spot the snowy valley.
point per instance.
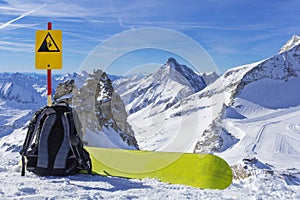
(249, 116)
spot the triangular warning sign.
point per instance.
(48, 45)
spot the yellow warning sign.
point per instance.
(48, 49)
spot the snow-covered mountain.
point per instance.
(20, 96)
(126, 85)
(249, 116)
(251, 111)
(209, 77)
(267, 101)
(162, 89)
(17, 88)
(28, 89)
(294, 41)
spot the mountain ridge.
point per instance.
(167, 85)
(292, 42)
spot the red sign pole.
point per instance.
(49, 93)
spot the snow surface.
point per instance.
(13, 186)
(106, 138)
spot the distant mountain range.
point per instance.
(17, 89)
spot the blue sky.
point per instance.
(233, 32)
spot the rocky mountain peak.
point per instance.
(292, 42)
(181, 72)
(101, 111)
(161, 89)
(172, 62)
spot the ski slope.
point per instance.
(272, 138)
(269, 128)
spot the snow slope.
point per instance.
(273, 138)
(268, 99)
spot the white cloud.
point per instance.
(6, 24)
(56, 9)
(17, 26)
(16, 46)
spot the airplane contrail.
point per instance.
(21, 16)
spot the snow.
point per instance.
(169, 84)
(269, 89)
(96, 187)
(259, 186)
(273, 139)
(256, 107)
(106, 138)
(13, 186)
(294, 41)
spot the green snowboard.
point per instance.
(197, 170)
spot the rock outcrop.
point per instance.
(99, 109)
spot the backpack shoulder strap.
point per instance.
(76, 144)
(33, 129)
(42, 137)
(62, 154)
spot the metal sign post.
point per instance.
(49, 78)
(48, 54)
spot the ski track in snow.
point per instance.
(272, 115)
(251, 149)
(273, 138)
(294, 127)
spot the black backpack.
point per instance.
(53, 145)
